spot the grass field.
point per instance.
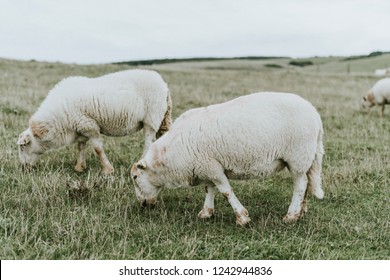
(52, 212)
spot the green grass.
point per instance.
(52, 212)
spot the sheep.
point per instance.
(382, 72)
(379, 94)
(81, 109)
(249, 137)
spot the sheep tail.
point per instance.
(167, 121)
(314, 173)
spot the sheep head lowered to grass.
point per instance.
(248, 137)
(80, 109)
(378, 95)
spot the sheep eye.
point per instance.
(135, 177)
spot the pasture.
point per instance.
(52, 212)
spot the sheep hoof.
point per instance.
(242, 218)
(243, 221)
(289, 219)
(108, 171)
(206, 213)
(80, 168)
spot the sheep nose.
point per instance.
(26, 166)
(148, 204)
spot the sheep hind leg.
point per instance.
(242, 215)
(304, 204)
(81, 164)
(298, 203)
(314, 184)
(208, 207)
(98, 147)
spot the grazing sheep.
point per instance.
(381, 72)
(248, 137)
(79, 109)
(379, 94)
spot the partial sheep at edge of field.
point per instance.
(378, 95)
(81, 109)
(248, 137)
(382, 72)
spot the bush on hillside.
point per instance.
(300, 63)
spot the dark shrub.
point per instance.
(301, 63)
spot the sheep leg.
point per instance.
(382, 110)
(90, 130)
(150, 137)
(208, 207)
(304, 203)
(298, 204)
(242, 215)
(81, 164)
(97, 145)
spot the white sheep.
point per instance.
(379, 95)
(248, 137)
(81, 109)
(381, 72)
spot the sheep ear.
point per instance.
(39, 129)
(364, 98)
(23, 139)
(141, 164)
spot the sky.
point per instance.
(100, 31)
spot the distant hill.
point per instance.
(194, 59)
(373, 54)
(361, 64)
(364, 64)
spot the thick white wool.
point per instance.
(79, 109)
(378, 95)
(248, 137)
(381, 91)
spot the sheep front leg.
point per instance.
(208, 207)
(81, 164)
(98, 147)
(242, 215)
(298, 203)
(150, 137)
(382, 110)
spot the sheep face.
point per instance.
(366, 104)
(29, 148)
(145, 191)
(368, 101)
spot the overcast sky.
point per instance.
(99, 31)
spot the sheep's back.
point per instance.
(119, 102)
(248, 134)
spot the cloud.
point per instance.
(103, 31)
